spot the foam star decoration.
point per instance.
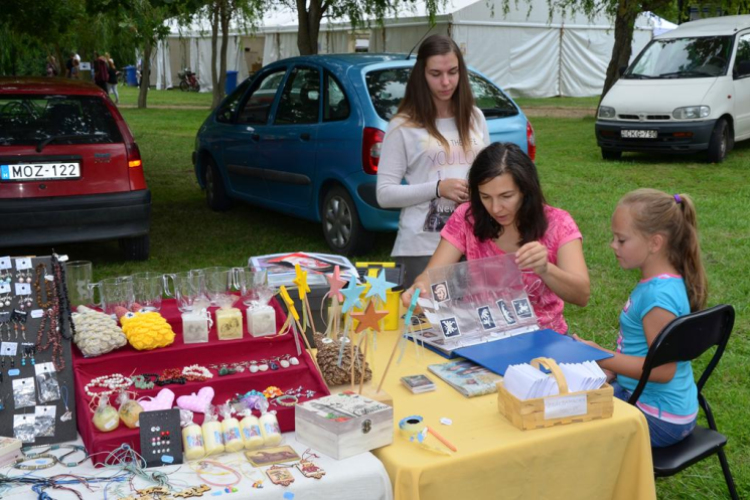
(369, 318)
(289, 302)
(301, 281)
(379, 286)
(351, 294)
(336, 284)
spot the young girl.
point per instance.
(431, 142)
(507, 214)
(657, 233)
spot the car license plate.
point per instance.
(39, 171)
(638, 134)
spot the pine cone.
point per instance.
(328, 356)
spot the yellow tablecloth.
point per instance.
(600, 459)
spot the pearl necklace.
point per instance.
(114, 382)
(197, 371)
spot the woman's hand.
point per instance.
(422, 283)
(454, 189)
(533, 255)
(587, 342)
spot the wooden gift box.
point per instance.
(566, 408)
(344, 425)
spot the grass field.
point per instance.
(185, 235)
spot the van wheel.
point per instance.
(611, 154)
(342, 228)
(135, 248)
(718, 145)
(216, 193)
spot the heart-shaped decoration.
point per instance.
(162, 401)
(197, 403)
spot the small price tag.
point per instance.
(4, 287)
(37, 313)
(23, 289)
(49, 277)
(8, 348)
(23, 263)
(5, 262)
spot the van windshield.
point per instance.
(701, 57)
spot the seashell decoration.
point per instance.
(96, 332)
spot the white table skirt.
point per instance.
(362, 477)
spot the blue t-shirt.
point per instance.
(677, 400)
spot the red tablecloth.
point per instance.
(130, 361)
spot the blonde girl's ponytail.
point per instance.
(674, 216)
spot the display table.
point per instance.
(600, 459)
(128, 361)
(361, 477)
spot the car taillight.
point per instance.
(372, 142)
(135, 166)
(531, 140)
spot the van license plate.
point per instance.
(638, 134)
(39, 171)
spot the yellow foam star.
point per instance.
(301, 281)
(289, 302)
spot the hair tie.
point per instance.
(677, 198)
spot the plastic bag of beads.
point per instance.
(44, 425)
(129, 409)
(46, 382)
(23, 427)
(23, 392)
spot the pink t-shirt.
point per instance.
(561, 228)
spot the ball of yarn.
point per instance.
(96, 333)
(147, 330)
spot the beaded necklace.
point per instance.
(51, 313)
(62, 293)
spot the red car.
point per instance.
(70, 170)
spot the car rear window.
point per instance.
(29, 120)
(387, 87)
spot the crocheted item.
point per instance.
(146, 330)
(96, 332)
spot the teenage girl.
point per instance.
(657, 233)
(430, 143)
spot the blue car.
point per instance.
(303, 137)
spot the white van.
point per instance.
(687, 91)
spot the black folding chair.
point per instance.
(684, 339)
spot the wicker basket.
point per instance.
(555, 410)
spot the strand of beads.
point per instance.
(196, 372)
(111, 383)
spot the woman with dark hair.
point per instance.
(507, 213)
(431, 142)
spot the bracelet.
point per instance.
(74, 449)
(20, 460)
(141, 382)
(197, 372)
(287, 400)
(437, 189)
(114, 382)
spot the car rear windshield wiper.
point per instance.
(44, 142)
(499, 112)
(684, 73)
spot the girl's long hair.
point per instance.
(418, 107)
(507, 158)
(674, 216)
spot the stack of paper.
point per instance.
(526, 382)
(584, 376)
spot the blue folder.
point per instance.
(497, 356)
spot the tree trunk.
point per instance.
(309, 26)
(214, 41)
(627, 11)
(145, 74)
(224, 16)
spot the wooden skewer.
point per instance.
(364, 363)
(387, 367)
(309, 351)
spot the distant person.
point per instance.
(112, 82)
(430, 143)
(101, 71)
(69, 65)
(52, 68)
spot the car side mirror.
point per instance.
(621, 70)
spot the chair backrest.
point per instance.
(686, 338)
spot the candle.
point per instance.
(269, 429)
(232, 437)
(229, 323)
(195, 326)
(213, 440)
(192, 442)
(250, 426)
(261, 320)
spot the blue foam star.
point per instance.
(379, 286)
(351, 295)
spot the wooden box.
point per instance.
(344, 425)
(566, 408)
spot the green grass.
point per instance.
(185, 235)
(174, 97)
(561, 102)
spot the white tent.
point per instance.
(526, 52)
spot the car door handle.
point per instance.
(255, 137)
(305, 136)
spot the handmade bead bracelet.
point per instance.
(143, 381)
(74, 448)
(114, 383)
(18, 463)
(196, 372)
(287, 400)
